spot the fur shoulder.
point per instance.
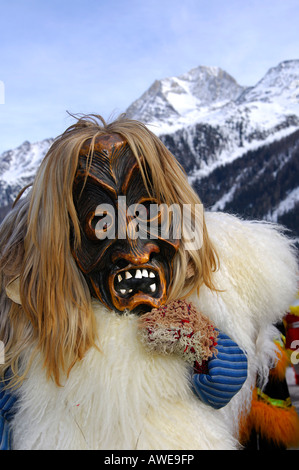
(258, 273)
(257, 280)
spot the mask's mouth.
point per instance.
(136, 286)
(131, 281)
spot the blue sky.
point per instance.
(98, 56)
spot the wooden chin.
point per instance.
(121, 304)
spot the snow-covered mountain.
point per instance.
(18, 167)
(217, 119)
(176, 102)
(239, 145)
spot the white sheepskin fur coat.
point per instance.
(123, 397)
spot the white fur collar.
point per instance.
(119, 398)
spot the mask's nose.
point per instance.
(134, 252)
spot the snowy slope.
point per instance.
(18, 167)
(176, 102)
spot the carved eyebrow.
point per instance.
(92, 179)
(106, 186)
(134, 169)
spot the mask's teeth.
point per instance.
(143, 275)
(138, 274)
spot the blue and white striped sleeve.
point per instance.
(7, 402)
(227, 372)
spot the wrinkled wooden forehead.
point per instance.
(111, 163)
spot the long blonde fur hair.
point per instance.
(55, 317)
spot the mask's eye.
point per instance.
(162, 221)
(100, 224)
(148, 210)
(147, 217)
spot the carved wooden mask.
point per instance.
(125, 270)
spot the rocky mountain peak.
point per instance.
(280, 82)
(174, 97)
